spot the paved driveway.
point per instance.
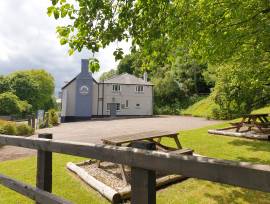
(94, 131)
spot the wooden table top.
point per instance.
(258, 115)
(138, 136)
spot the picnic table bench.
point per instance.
(257, 121)
(149, 136)
(152, 136)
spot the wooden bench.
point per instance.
(154, 136)
(182, 151)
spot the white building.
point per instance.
(123, 95)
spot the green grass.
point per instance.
(202, 108)
(65, 184)
(191, 191)
(265, 109)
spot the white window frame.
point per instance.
(126, 104)
(118, 106)
(139, 89)
(116, 88)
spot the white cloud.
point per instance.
(28, 40)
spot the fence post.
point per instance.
(29, 121)
(143, 182)
(46, 117)
(44, 167)
(33, 122)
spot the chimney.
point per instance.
(84, 66)
(145, 76)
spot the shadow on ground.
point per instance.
(260, 147)
(253, 145)
(229, 194)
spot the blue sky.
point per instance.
(28, 41)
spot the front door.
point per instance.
(113, 107)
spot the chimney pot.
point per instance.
(145, 76)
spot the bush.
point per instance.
(7, 128)
(50, 119)
(11, 104)
(11, 128)
(24, 130)
(53, 117)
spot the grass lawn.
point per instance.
(190, 191)
(265, 109)
(202, 108)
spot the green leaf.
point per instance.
(63, 41)
(50, 10)
(94, 65)
(56, 14)
(54, 2)
(63, 13)
(118, 54)
(71, 52)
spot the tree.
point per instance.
(188, 74)
(237, 90)
(108, 74)
(212, 31)
(231, 35)
(46, 86)
(24, 87)
(131, 64)
(10, 104)
(4, 84)
(34, 86)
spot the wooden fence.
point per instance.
(144, 164)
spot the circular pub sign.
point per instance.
(84, 90)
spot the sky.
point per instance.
(28, 40)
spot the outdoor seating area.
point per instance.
(254, 126)
(113, 180)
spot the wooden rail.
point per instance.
(243, 174)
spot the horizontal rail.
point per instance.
(31, 192)
(243, 174)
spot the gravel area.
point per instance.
(108, 173)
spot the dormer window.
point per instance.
(139, 88)
(116, 88)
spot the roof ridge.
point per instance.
(117, 75)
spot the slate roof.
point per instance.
(126, 78)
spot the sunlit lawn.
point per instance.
(68, 186)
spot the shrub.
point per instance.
(24, 130)
(8, 128)
(53, 117)
(11, 128)
(11, 104)
(50, 119)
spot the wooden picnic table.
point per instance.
(149, 136)
(152, 136)
(258, 121)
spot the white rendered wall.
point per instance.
(68, 99)
(95, 99)
(128, 92)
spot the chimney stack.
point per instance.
(145, 76)
(84, 66)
